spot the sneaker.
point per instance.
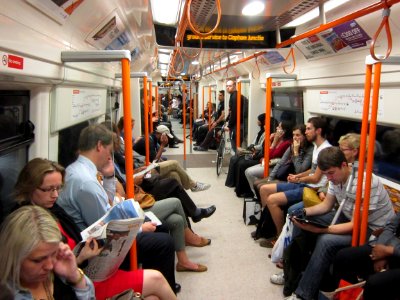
(200, 187)
(293, 297)
(278, 278)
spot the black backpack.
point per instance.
(265, 227)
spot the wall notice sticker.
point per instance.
(346, 102)
(11, 61)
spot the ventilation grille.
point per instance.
(201, 12)
(299, 10)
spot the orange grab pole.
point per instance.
(362, 12)
(202, 104)
(190, 113)
(126, 91)
(238, 112)
(209, 108)
(184, 120)
(158, 104)
(146, 121)
(267, 141)
(370, 154)
(151, 106)
(361, 158)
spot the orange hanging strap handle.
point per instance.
(291, 53)
(384, 23)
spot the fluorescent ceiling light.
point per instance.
(163, 67)
(195, 62)
(163, 58)
(312, 14)
(253, 8)
(165, 12)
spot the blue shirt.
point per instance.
(83, 197)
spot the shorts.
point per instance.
(292, 191)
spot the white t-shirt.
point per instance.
(314, 164)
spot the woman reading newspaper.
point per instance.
(39, 183)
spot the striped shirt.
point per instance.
(380, 206)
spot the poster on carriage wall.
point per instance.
(340, 39)
(58, 10)
(110, 34)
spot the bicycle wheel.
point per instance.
(220, 156)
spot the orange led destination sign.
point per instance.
(228, 37)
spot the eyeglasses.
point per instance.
(51, 189)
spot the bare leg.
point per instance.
(155, 286)
(265, 191)
(274, 204)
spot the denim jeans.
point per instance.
(323, 255)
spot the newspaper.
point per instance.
(150, 167)
(115, 232)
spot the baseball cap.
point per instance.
(164, 129)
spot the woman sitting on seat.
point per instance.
(34, 263)
(39, 183)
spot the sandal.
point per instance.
(268, 243)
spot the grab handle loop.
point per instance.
(384, 23)
(291, 53)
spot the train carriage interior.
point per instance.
(67, 64)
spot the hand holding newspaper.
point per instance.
(118, 229)
(150, 167)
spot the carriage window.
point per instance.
(288, 106)
(387, 145)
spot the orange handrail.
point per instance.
(202, 105)
(268, 103)
(255, 55)
(130, 193)
(146, 121)
(184, 96)
(384, 23)
(194, 30)
(362, 12)
(238, 112)
(362, 154)
(370, 154)
(190, 113)
(291, 53)
(151, 106)
(209, 107)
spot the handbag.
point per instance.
(310, 197)
(128, 294)
(284, 170)
(251, 211)
(145, 200)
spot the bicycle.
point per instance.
(224, 147)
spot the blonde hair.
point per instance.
(21, 233)
(352, 140)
